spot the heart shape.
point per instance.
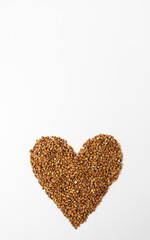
(76, 182)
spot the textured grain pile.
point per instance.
(76, 182)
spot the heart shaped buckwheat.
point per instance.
(76, 182)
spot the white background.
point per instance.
(74, 69)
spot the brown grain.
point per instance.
(76, 182)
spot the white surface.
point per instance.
(74, 69)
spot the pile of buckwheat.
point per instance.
(76, 182)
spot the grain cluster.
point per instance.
(76, 182)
